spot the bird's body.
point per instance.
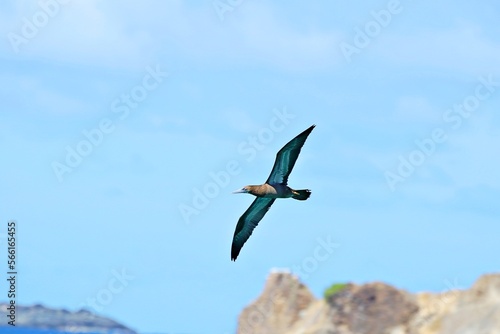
(271, 190)
(275, 187)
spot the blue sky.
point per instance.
(125, 126)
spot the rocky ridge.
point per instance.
(286, 306)
(82, 321)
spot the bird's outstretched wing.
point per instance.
(286, 157)
(247, 223)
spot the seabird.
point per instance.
(275, 187)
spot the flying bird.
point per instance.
(275, 187)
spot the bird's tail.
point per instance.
(301, 195)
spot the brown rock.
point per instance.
(287, 307)
(278, 308)
(477, 309)
(371, 308)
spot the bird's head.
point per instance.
(244, 190)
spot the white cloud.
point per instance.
(463, 48)
(271, 40)
(132, 34)
(473, 156)
(252, 34)
(28, 91)
(417, 108)
(79, 32)
(240, 120)
(58, 103)
(159, 120)
(129, 34)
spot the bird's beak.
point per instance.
(240, 191)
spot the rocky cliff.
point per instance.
(82, 321)
(286, 306)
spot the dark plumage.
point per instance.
(275, 187)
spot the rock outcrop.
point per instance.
(82, 321)
(285, 298)
(476, 310)
(286, 306)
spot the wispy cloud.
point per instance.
(82, 32)
(93, 33)
(416, 108)
(464, 48)
(473, 156)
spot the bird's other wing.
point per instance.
(247, 223)
(286, 157)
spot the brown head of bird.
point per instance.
(253, 190)
(243, 190)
